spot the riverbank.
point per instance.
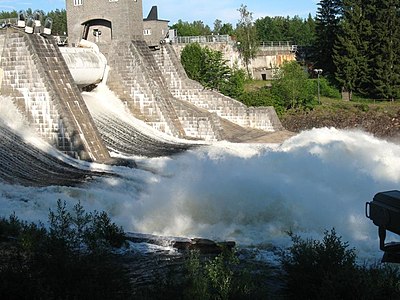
(380, 119)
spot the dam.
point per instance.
(46, 84)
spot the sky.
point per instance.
(205, 10)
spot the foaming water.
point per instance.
(250, 193)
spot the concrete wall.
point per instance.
(37, 78)
(125, 16)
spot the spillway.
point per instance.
(23, 164)
(26, 159)
(125, 135)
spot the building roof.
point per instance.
(153, 15)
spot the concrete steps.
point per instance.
(188, 90)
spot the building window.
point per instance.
(78, 2)
(147, 32)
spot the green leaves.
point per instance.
(208, 67)
(367, 49)
(292, 87)
(246, 34)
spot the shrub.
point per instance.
(63, 262)
(292, 87)
(327, 269)
(326, 89)
(223, 277)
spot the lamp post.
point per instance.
(318, 72)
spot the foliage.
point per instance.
(326, 88)
(299, 31)
(366, 52)
(246, 34)
(263, 97)
(196, 28)
(327, 269)
(292, 87)
(221, 278)
(222, 28)
(208, 67)
(59, 18)
(71, 260)
(8, 14)
(327, 27)
(385, 53)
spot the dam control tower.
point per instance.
(102, 21)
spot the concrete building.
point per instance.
(101, 21)
(155, 30)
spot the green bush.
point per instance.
(224, 277)
(73, 259)
(326, 89)
(292, 87)
(327, 269)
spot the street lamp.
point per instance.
(318, 72)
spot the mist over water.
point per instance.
(249, 193)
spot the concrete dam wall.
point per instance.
(151, 85)
(36, 77)
(156, 89)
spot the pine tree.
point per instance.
(327, 27)
(351, 48)
(385, 50)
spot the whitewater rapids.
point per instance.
(249, 193)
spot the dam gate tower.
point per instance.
(102, 21)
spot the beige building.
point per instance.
(101, 21)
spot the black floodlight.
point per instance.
(384, 211)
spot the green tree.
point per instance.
(292, 87)
(327, 27)
(298, 30)
(196, 28)
(206, 66)
(217, 26)
(227, 28)
(350, 48)
(8, 14)
(222, 28)
(385, 48)
(59, 18)
(246, 34)
(192, 59)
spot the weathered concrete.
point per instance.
(37, 78)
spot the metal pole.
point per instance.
(319, 97)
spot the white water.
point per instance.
(251, 194)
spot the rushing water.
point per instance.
(250, 193)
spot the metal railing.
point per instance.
(212, 39)
(278, 46)
(202, 39)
